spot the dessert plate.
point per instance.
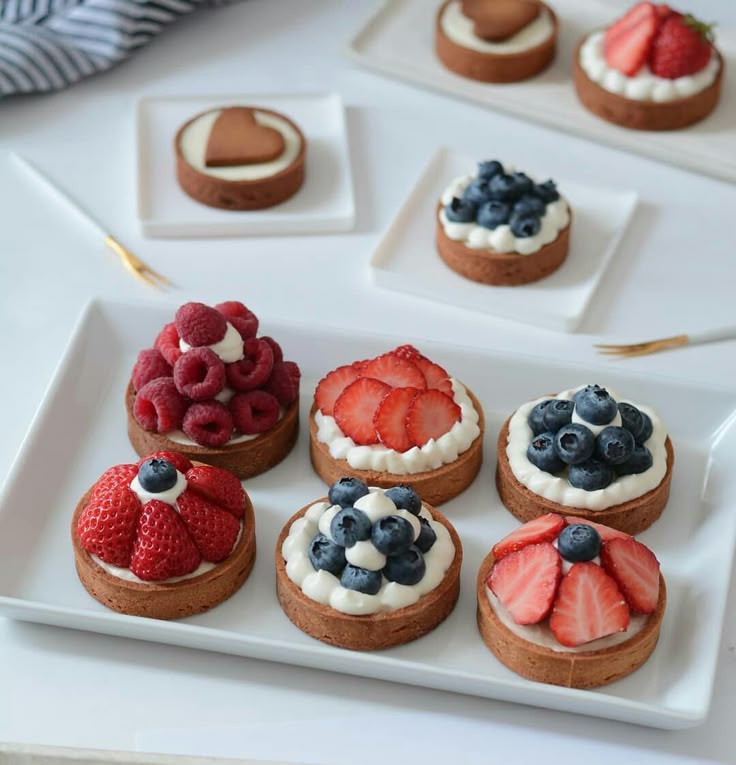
(83, 410)
(324, 203)
(398, 41)
(407, 260)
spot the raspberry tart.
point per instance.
(496, 40)
(164, 538)
(368, 568)
(398, 417)
(500, 227)
(653, 69)
(214, 391)
(570, 602)
(586, 453)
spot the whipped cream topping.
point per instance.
(644, 85)
(169, 496)
(228, 350)
(378, 457)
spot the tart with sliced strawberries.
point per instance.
(570, 602)
(164, 537)
(398, 417)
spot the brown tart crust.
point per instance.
(167, 600)
(631, 517)
(502, 269)
(433, 486)
(373, 631)
(246, 459)
(581, 669)
(240, 195)
(646, 115)
(494, 67)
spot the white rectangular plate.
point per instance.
(406, 258)
(324, 203)
(398, 41)
(80, 430)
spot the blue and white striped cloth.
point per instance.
(49, 44)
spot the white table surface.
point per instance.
(68, 688)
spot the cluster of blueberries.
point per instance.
(392, 535)
(494, 198)
(592, 462)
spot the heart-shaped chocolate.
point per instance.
(237, 139)
(497, 20)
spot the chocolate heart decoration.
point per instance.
(237, 139)
(497, 20)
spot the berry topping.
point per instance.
(635, 569)
(460, 210)
(360, 579)
(408, 352)
(574, 443)
(179, 461)
(530, 204)
(431, 415)
(489, 168)
(114, 478)
(525, 224)
(604, 532)
(628, 41)
(156, 475)
(325, 555)
(579, 541)
(631, 418)
(243, 319)
(107, 525)
(349, 526)
(614, 445)
(557, 413)
(254, 412)
(390, 419)
(493, 214)
(477, 192)
(405, 498)
(547, 191)
(395, 371)
(158, 406)
(589, 605)
(427, 536)
(545, 528)
(682, 47)
(392, 535)
(208, 423)
(435, 376)
(213, 530)
(639, 461)
(595, 405)
(523, 183)
(536, 417)
(199, 374)
(331, 387)
(541, 452)
(218, 486)
(150, 365)
(198, 324)
(407, 567)
(526, 581)
(167, 342)
(590, 475)
(357, 404)
(347, 491)
(284, 381)
(254, 368)
(278, 354)
(646, 429)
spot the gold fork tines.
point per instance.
(136, 266)
(643, 348)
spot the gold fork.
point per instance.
(136, 266)
(627, 350)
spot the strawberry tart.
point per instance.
(653, 69)
(368, 568)
(164, 537)
(496, 40)
(570, 602)
(394, 418)
(589, 453)
(214, 391)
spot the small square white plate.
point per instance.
(407, 260)
(324, 203)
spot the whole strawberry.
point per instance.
(682, 47)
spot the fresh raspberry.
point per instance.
(179, 461)
(199, 374)
(198, 324)
(284, 382)
(167, 342)
(431, 415)
(158, 406)
(212, 529)
(114, 478)
(435, 375)
(390, 419)
(107, 525)
(208, 423)
(254, 412)
(218, 486)
(395, 371)
(254, 368)
(356, 407)
(278, 354)
(331, 386)
(150, 365)
(242, 318)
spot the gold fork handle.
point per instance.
(125, 254)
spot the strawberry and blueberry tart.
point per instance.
(211, 389)
(570, 602)
(164, 537)
(398, 417)
(500, 227)
(653, 69)
(586, 452)
(368, 568)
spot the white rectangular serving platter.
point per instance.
(406, 258)
(398, 41)
(80, 430)
(324, 203)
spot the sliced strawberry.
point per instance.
(408, 352)
(546, 528)
(357, 405)
(435, 375)
(588, 606)
(628, 42)
(218, 486)
(212, 529)
(107, 525)
(605, 532)
(395, 371)
(526, 581)
(362, 364)
(431, 415)
(390, 419)
(663, 11)
(332, 385)
(179, 461)
(682, 47)
(635, 569)
(114, 478)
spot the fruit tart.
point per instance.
(397, 418)
(589, 453)
(164, 537)
(570, 602)
(214, 391)
(501, 227)
(368, 568)
(653, 69)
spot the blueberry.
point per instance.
(407, 567)
(347, 491)
(614, 445)
(426, 537)
(493, 214)
(529, 204)
(503, 188)
(525, 225)
(646, 430)
(325, 555)
(349, 526)
(477, 191)
(579, 541)
(405, 498)
(536, 417)
(595, 405)
(541, 452)
(360, 579)
(489, 168)
(631, 418)
(590, 475)
(547, 191)
(524, 184)
(460, 210)
(557, 414)
(585, 390)
(640, 460)
(157, 475)
(392, 534)
(574, 443)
